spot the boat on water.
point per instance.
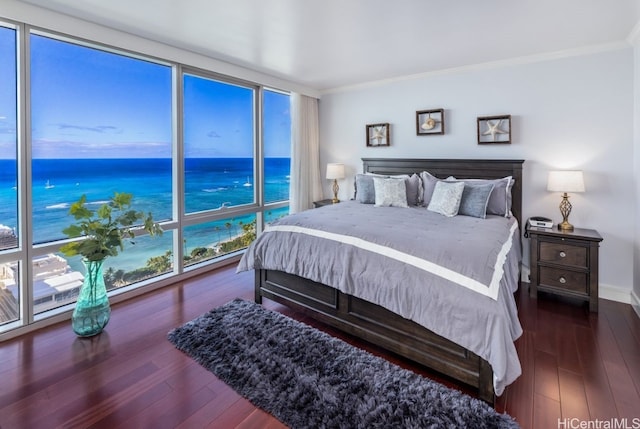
(48, 185)
(247, 183)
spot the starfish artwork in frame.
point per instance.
(494, 129)
(378, 135)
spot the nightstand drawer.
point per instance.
(562, 253)
(564, 279)
(565, 263)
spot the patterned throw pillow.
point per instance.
(390, 192)
(446, 198)
(365, 192)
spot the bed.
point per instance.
(351, 306)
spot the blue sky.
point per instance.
(7, 94)
(88, 103)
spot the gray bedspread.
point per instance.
(455, 276)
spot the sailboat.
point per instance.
(247, 183)
(48, 185)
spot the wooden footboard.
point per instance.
(378, 326)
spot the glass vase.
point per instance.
(92, 310)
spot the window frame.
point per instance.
(26, 251)
(240, 209)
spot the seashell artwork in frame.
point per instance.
(430, 122)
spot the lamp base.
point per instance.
(565, 226)
(565, 210)
(335, 192)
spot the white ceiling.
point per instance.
(325, 44)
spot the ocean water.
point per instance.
(209, 184)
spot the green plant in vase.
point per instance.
(105, 232)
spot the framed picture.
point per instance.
(430, 122)
(494, 129)
(378, 135)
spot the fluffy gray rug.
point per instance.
(308, 379)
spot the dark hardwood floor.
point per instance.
(575, 365)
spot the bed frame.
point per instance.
(380, 326)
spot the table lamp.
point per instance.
(335, 172)
(565, 181)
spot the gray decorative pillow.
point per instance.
(390, 192)
(446, 198)
(500, 199)
(475, 198)
(428, 184)
(365, 191)
(413, 189)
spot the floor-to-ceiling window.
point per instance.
(98, 120)
(10, 264)
(219, 136)
(219, 164)
(100, 123)
(277, 151)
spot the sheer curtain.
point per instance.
(305, 186)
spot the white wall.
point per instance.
(574, 112)
(635, 298)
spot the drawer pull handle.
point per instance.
(562, 280)
(562, 254)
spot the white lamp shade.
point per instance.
(565, 181)
(335, 171)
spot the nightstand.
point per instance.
(565, 263)
(322, 203)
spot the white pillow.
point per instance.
(446, 198)
(390, 192)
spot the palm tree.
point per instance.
(160, 264)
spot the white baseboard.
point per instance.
(635, 302)
(615, 293)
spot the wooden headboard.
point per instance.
(459, 168)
